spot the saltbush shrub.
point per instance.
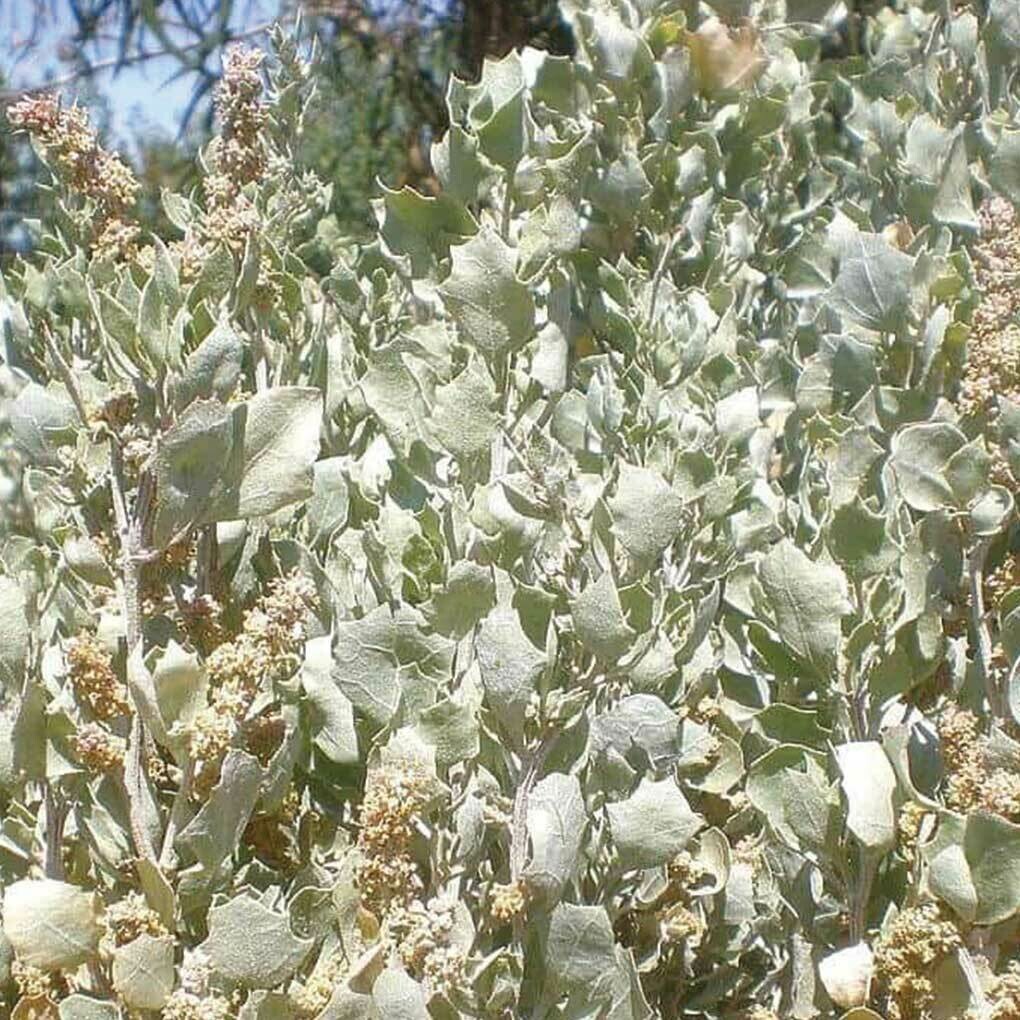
(594, 598)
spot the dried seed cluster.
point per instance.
(194, 999)
(970, 784)
(79, 161)
(184, 1005)
(394, 797)
(906, 954)
(267, 648)
(1004, 995)
(310, 997)
(98, 749)
(95, 684)
(993, 348)
(130, 917)
(508, 903)
(32, 982)
(909, 822)
(421, 934)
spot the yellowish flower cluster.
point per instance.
(508, 903)
(34, 983)
(128, 918)
(421, 936)
(1004, 995)
(993, 348)
(762, 1013)
(906, 955)
(970, 784)
(267, 648)
(394, 797)
(76, 157)
(184, 1005)
(195, 999)
(678, 923)
(310, 997)
(98, 749)
(240, 154)
(93, 680)
(909, 823)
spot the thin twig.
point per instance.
(519, 838)
(130, 586)
(56, 814)
(508, 201)
(65, 373)
(141, 56)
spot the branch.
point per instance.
(65, 373)
(130, 585)
(115, 63)
(56, 815)
(519, 838)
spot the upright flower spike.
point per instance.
(77, 159)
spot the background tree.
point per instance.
(382, 74)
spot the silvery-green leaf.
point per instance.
(936, 467)
(456, 162)
(789, 787)
(51, 924)
(847, 975)
(653, 825)
(84, 1007)
(451, 727)
(974, 864)
(869, 785)
(214, 833)
(647, 514)
(16, 633)
(84, 557)
(383, 654)
(398, 996)
(249, 460)
(580, 950)
(556, 822)
(872, 287)
(143, 971)
(392, 389)
(643, 729)
(421, 226)
(807, 599)
(41, 418)
(463, 420)
(180, 685)
(252, 945)
(482, 293)
(331, 715)
(992, 512)
(1002, 28)
(510, 666)
(1004, 167)
(267, 1006)
(599, 620)
(346, 1004)
(161, 317)
(469, 593)
(859, 541)
(327, 509)
(213, 368)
